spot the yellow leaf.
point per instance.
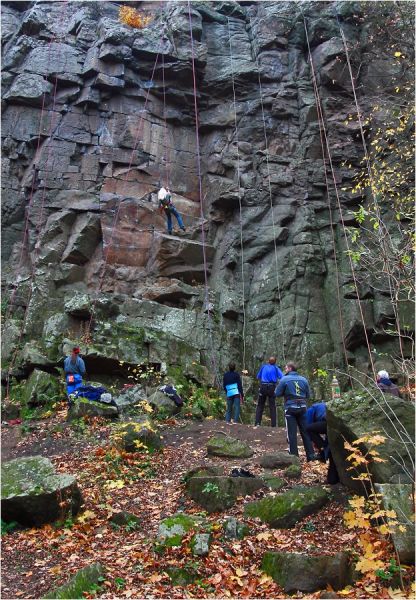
(88, 514)
(397, 54)
(265, 579)
(263, 536)
(357, 502)
(117, 484)
(240, 573)
(366, 565)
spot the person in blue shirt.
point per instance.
(295, 390)
(234, 392)
(74, 368)
(316, 428)
(268, 376)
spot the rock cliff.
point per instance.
(97, 115)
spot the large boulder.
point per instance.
(173, 529)
(399, 498)
(136, 435)
(41, 389)
(278, 460)
(32, 493)
(285, 510)
(228, 447)
(82, 407)
(81, 582)
(162, 404)
(130, 397)
(219, 493)
(204, 471)
(357, 414)
(235, 530)
(296, 572)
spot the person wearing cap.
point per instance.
(268, 376)
(74, 368)
(386, 385)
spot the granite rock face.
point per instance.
(97, 115)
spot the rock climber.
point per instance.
(234, 393)
(295, 390)
(316, 427)
(165, 204)
(268, 376)
(385, 384)
(74, 368)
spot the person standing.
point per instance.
(295, 390)
(234, 392)
(268, 376)
(385, 384)
(166, 205)
(74, 368)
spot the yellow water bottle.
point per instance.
(336, 391)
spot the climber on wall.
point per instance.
(166, 205)
(74, 368)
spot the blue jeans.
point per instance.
(233, 401)
(172, 211)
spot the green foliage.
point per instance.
(389, 572)
(8, 527)
(211, 488)
(119, 582)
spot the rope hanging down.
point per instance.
(314, 80)
(198, 154)
(239, 196)
(383, 232)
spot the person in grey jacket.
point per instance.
(295, 390)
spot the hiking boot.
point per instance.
(312, 457)
(183, 228)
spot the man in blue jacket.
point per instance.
(234, 392)
(316, 428)
(74, 368)
(268, 375)
(295, 390)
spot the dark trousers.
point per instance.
(266, 391)
(316, 432)
(296, 418)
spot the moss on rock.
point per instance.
(293, 472)
(285, 510)
(228, 447)
(81, 582)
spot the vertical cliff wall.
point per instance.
(97, 115)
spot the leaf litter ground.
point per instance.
(150, 486)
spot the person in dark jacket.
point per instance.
(386, 385)
(316, 426)
(295, 390)
(268, 376)
(172, 393)
(234, 392)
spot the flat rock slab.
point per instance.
(286, 509)
(297, 572)
(32, 493)
(82, 407)
(135, 435)
(215, 494)
(172, 529)
(398, 497)
(228, 447)
(278, 460)
(78, 584)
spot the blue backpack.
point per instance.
(73, 382)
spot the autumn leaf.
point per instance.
(88, 514)
(264, 535)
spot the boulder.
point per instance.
(287, 509)
(356, 414)
(182, 576)
(203, 471)
(163, 404)
(274, 483)
(124, 518)
(82, 407)
(78, 305)
(136, 435)
(81, 582)
(278, 460)
(296, 572)
(219, 493)
(130, 397)
(32, 493)
(399, 497)
(200, 544)
(228, 447)
(173, 529)
(41, 389)
(235, 530)
(29, 88)
(293, 472)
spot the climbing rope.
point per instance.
(239, 195)
(198, 154)
(382, 230)
(320, 112)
